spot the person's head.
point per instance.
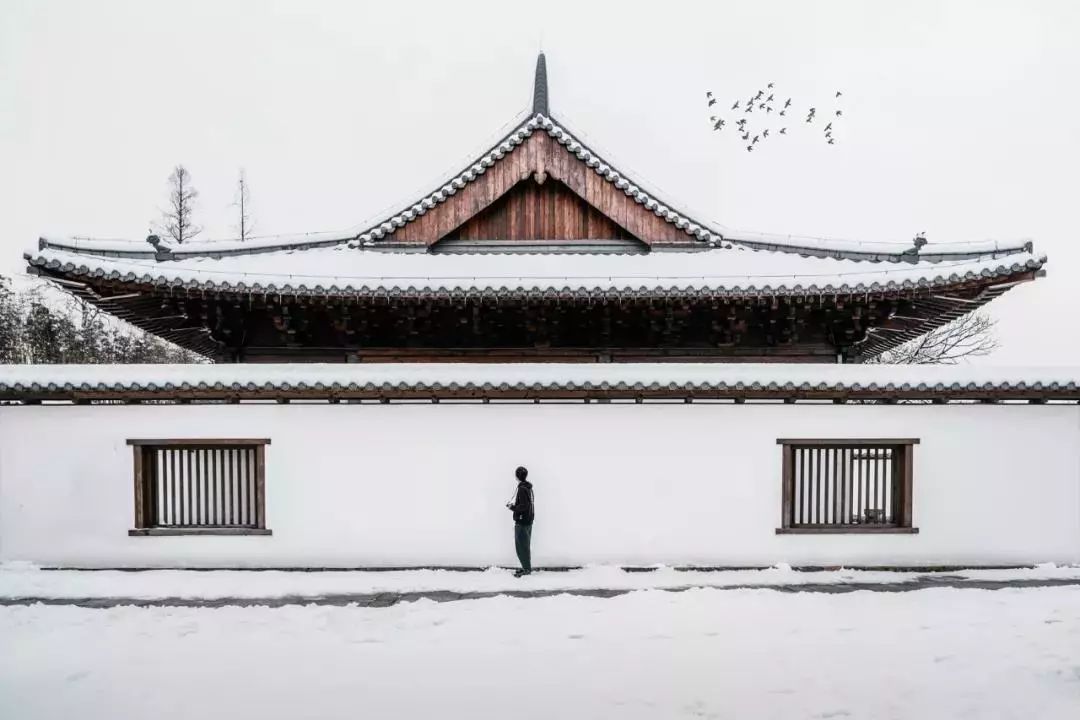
(521, 473)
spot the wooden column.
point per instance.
(788, 481)
(260, 486)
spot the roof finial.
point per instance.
(540, 87)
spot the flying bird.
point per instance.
(830, 141)
(749, 148)
(708, 93)
(719, 124)
(746, 136)
(768, 108)
(712, 101)
(828, 127)
(788, 103)
(735, 106)
(783, 131)
(770, 86)
(765, 133)
(783, 113)
(770, 98)
(756, 138)
(838, 93)
(761, 106)
(759, 94)
(839, 113)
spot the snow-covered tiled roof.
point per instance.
(709, 234)
(340, 270)
(384, 227)
(676, 380)
(378, 231)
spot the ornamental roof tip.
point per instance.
(540, 87)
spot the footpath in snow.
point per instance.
(21, 581)
(702, 653)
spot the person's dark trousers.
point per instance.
(522, 540)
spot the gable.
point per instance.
(540, 159)
(544, 212)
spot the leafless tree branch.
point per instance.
(969, 336)
(177, 221)
(245, 225)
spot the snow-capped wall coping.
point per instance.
(619, 379)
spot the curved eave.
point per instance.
(485, 287)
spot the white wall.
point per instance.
(363, 485)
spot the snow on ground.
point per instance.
(937, 653)
(22, 580)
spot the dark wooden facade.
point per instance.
(535, 327)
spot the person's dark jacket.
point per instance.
(523, 504)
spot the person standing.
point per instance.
(524, 511)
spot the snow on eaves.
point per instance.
(341, 271)
(676, 377)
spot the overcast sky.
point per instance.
(960, 117)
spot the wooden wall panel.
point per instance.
(534, 211)
(531, 211)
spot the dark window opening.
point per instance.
(847, 485)
(200, 486)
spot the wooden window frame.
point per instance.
(902, 494)
(141, 469)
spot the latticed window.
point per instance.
(847, 485)
(206, 486)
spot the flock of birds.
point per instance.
(765, 106)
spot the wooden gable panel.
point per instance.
(535, 211)
(537, 159)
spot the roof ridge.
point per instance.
(875, 251)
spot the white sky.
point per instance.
(960, 117)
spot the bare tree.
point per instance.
(243, 206)
(178, 222)
(969, 336)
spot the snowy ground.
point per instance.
(21, 580)
(938, 653)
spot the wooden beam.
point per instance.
(198, 442)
